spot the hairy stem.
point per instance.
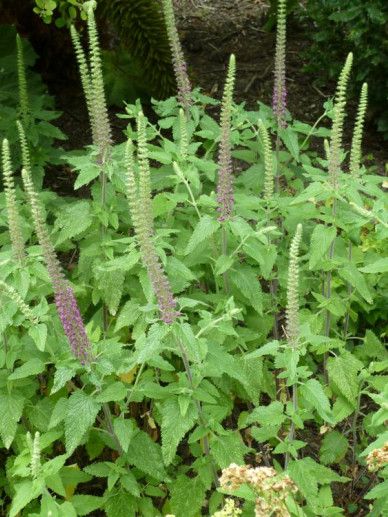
(224, 251)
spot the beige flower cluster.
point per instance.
(378, 458)
(272, 489)
(229, 510)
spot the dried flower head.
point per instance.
(378, 458)
(229, 510)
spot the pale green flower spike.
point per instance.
(24, 104)
(35, 455)
(16, 236)
(100, 111)
(18, 300)
(183, 137)
(225, 194)
(85, 77)
(338, 122)
(140, 204)
(26, 160)
(355, 153)
(292, 310)
(268, 162)
(279, 97)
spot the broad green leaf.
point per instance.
(223, 263)
(81, 413)
(380, 266)
(247, 283)
(187, 496)
(333, 448)
(128, 315)
(314, 395)
(273, 414)
(146, 455)
(204, 229)
(175, 426)
(39, 335)
(378, 491)
(74, 219)
(62, 375)
(321, 239)
(85, 504)
(124, 430)
(228, 448)
(290, 139)
(120, 504)
(111, 284)
(351, 274)
(343, 377)
(268, 349)
(31, 367)
(11, 409)
(25, 492)
(113, 393)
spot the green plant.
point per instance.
(172, 377)
(358, 26)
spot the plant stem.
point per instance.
(291, 434)
(328, 294)
(277, 152)
(109, 425)
(202, 419)
(350, 290)
(224, 251)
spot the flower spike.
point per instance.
(279, 98)
(15, 232)
(139, 199)
(355, 152)
(178, 59)
(225, 197)
(292, 310)
(268, 162)
(65, 300)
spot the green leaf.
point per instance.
(111, 283)
(38, 333)
(333, 448)
(85, 504)
(223, 263)
(187, 496)
(25, 492)
(247, 283)
(175, 426)
(351, 274)
(204, 229)
(290, 139)
(128, 315)
(379, 491)
(113, 393)
(124, 430)
(146, 455)
(11, 409)
(81, 413)
(313, 392)
(273, 414)
(228, 448)
(74, 219)
(120, 504)
(380, 266)
(321, 239)
(343, 377)
(61, 377)
(31, 367)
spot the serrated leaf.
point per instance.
(11, 409)
(113, 393)
(333, 448)
(111, 284)
(343, 378)
(321, 239)
(128, 315)
(247, 283)
(380, 266)
(74, 219)
(124, 430)
(175, 426)
(228, 448)
(61, 377)
(146, 455)
(25, 492)
(187, 496)
(38, 333)
(351, 274)
(204, 229)
(290, 139)
(120, 504)
(85, 504)
(223, 263)
(81, 413)
(313, 392)
(273, 414)
(31, 367)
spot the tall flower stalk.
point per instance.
(292, 313)
(279, 96)
(14, 226)
(225, 194)
(139, 198)
(178, 59)
(93, 86)
(334, 169)
(24, 104)
(65, 300)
